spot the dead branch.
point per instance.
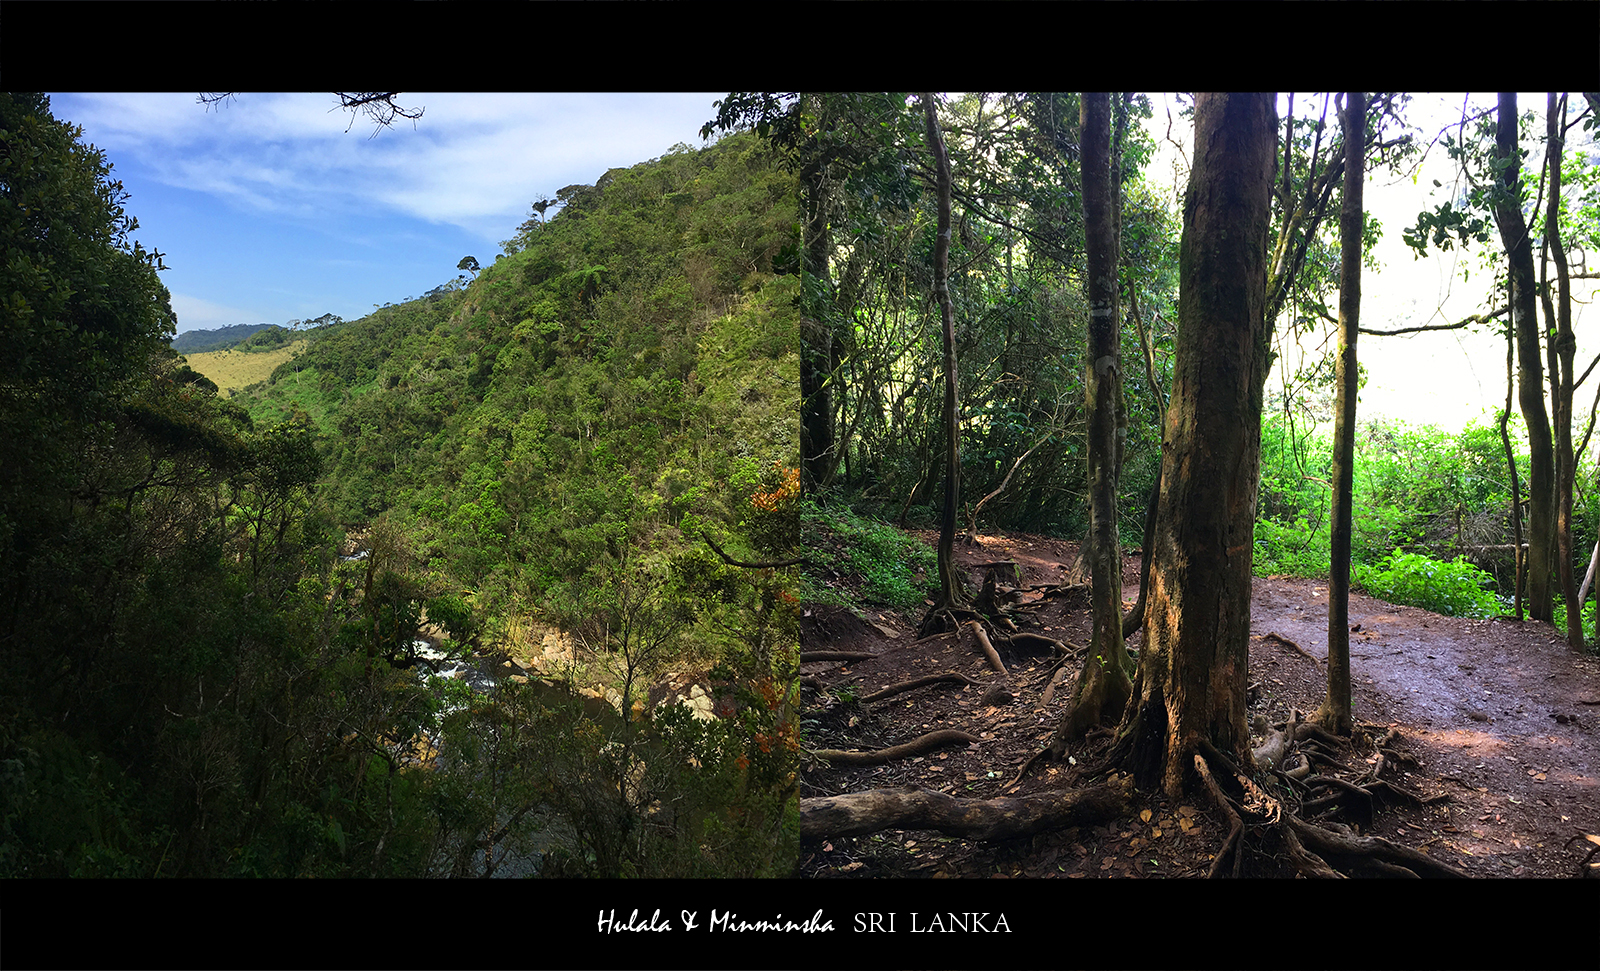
(905, 750)
(1474, 319)
(972, 517)
(857, 813)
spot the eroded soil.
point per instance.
(1500, 716)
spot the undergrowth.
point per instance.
(1455, 588)
(858, 560)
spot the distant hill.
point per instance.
(195, 341)
(235, 369)
(254, 338)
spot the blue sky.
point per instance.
(268, 210)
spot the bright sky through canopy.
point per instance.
(1443, 378)
(268, 210)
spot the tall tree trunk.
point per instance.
(1105, 681)
(952, 593)
(1192, 671)
(816, 334)
(1335, 712)
(1530, 369)
(1564, 347)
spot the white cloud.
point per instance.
(474, 160)
(197, 314)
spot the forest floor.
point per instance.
(1501, 717)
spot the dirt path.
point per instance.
(1502, 717)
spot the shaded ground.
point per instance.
(1502, 717)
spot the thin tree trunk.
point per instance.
(1192, 671)
(1135, 618)
(1105, 681)
(951, 590)
(1564, 348)
(1516, 484)
(1334, 715)
(817, 351)
(1530, 370)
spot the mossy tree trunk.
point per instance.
(1192, 674)
(1105, 682)
(817, 349)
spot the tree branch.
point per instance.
(752, 566)
(1474, 319)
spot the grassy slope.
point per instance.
(233, 370)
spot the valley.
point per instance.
(233, 370)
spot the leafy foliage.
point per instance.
(1455, 588)
(894, 568)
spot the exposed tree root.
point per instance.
(1036, 642)
(1230, 846)
(1291, 645)
(836, 656)
(857, 813)
(1064, 589)
(1256, 816)
(904, 686)
(1050, 689)
(944, 620)
(988, 649)
(1372, 851)
(906, 750)
(1585, 868)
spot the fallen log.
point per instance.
(857, 813)
(906, 750)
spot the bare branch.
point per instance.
(378, 106)
(1474, 319)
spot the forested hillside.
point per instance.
(594, 437)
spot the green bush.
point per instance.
(891, 567)
(1456, 588)
(1296, 549)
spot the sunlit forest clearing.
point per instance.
(1086, 593)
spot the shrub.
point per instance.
(891, 567)
(1456, 588)
(1297, 549)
